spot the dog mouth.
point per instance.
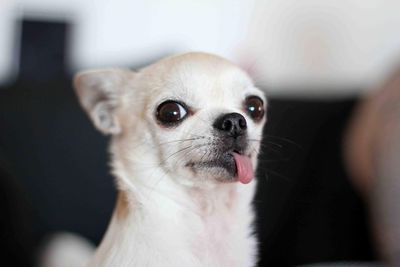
(229, 167)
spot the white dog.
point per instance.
(185, 137)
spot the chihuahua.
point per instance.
(185, 135)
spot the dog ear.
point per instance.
(99, 93)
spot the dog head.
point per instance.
(196, 117)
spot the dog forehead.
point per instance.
(213, 83)
(200, 78)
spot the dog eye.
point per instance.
(171, 112)
(254, 107)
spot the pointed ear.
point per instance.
(99, 93)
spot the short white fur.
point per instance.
(172, 215)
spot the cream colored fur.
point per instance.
(168, 215)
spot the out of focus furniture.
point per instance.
(307, 209)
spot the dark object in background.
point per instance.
(58, 157)
(43, 50)
(55, 153)
(307, 208)
(17, 246)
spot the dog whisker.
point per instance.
(271, 147)
(260, 160)
(187, 150)
(284, 139)
(177, 152)
(182, 140)
(264, 142)
(193, 137)
(207, 152)
(272, 143)
(254, 140)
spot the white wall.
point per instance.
(330, 42)
(120, 32)
(282, 42)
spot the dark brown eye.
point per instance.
(254, 107)
(171, 112)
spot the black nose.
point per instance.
(233, 124)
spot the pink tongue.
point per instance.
(244, 167)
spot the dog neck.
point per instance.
(148, 198)
(195, 220)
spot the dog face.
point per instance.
(196, 117)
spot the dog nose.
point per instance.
(233, 124)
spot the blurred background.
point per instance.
(285, 43)
(314, 59)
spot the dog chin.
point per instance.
(221, 169)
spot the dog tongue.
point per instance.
(244, 168)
